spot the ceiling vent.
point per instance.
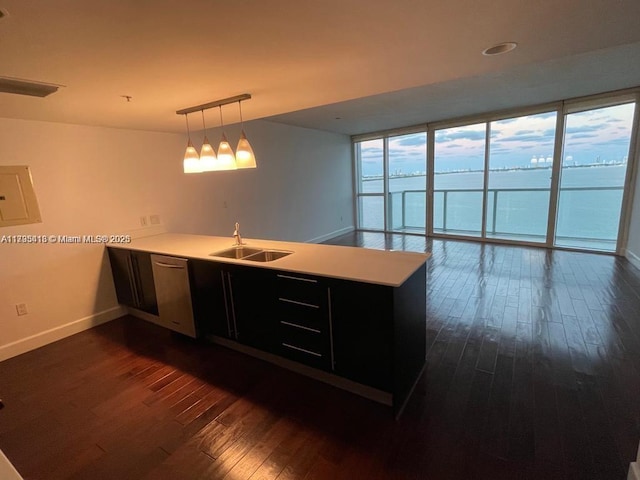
(27, 87)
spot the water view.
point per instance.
(588, 209)
(515, 190)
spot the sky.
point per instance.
(600, 135)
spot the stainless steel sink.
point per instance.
(267, 255)
(236, 252)
(253, 254)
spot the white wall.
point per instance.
(92, 180)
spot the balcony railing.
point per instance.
(585, 214)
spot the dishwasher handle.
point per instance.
(169, 265)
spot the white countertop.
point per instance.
(381, 267)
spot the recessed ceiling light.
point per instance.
(499, 48)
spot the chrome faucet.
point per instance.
(236, 235)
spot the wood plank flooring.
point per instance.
(533, 371)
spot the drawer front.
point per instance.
(302, 314)
(306, 291)
(305, 346)
(308, 339)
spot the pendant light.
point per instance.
(191, 162)
(208, 160)
(244, 153)
(226, 158)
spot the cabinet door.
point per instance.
(210, 307)
(122, 275)
(250, 291)
(145, 286)
(363, 335)
(133, 279)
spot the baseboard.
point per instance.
(49, 336)
(633, 258)
(335, 233)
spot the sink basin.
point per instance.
(236, 252)
(267, 255)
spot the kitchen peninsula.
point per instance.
(351, 317)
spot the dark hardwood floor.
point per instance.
(533, 371)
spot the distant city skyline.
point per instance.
(601, 135)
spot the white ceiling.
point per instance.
(375, 64)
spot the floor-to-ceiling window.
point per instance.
(519, 177)
(458, 180)
(371, 177)
(554, 175)
(407, 182)
(593, 172)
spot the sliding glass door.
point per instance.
(371, 203)
(458, 180)
(592, 177)
(407, 199)
(519, 177)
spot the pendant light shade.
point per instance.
(208, 160)
(226, 158)
(244, 153)
(191, 162)
(207, 157)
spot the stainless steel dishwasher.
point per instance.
(173, 293)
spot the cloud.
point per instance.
(447, 136)
(413, 140)
(507, 121)
(585, 128)
(584, 135)
(527, 138)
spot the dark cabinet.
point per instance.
(379, 333)
(250, 304)
(210, 303)
(363, 332)
(234, 302)
(303, 330)
(133, 279)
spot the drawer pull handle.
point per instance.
(298, 303)
(314, 330)
(289, 277)
(301, 350)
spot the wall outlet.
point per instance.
(154, 219)
(143, 221)
(21, 309)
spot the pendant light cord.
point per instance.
(204, 127)
(186, 116)
(240, 108)
(221, 123)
